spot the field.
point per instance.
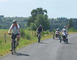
(29, 38)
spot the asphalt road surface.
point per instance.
(48, 49)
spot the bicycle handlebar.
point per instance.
(11, 34)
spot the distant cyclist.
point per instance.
(39, 29)
(57, 32)
(64, 31)
(15, 31)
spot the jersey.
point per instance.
(15, 28)
(39, 29)
(57, 32)
(64, 31)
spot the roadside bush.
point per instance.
(45, 32)
(28, 35)
(53, 30)
(22, 33)
(72, 30)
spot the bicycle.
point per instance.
(13, 46)
(56, 36)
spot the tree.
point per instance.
(33, 26)
(41, 11)
(34, 12)
(70, 24)
(38, 16)
(43, 20)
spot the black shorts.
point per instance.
(14, 36)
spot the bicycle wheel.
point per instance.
(66, 40)
(39, 38)
(14, 46)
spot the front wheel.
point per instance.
(13, 46)
(39, 37)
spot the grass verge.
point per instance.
(5, 47)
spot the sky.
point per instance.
(23, 8)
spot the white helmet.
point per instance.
(64, 26)
(14, 21)
(40, 25)
(57, 29)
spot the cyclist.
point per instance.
(64, 35)
(57, 32)
(15, 32)
(64, 31)
(39, 29)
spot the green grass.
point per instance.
(5, 47)
(30, 38)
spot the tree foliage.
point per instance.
(5, 22)
(60, 22)
(42, 19)
(38, 16)
(70, 24)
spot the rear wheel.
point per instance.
(59, 37)
(67, 41)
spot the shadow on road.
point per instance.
(43, 43)
(57, 39)
(21, 54)
(68, 43)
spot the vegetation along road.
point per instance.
(48, 49)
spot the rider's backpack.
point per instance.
(15, 25)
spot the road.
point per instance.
(48, 49)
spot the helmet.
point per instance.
(14, 21)
(40, 26)
(64, 26)
(57, 29)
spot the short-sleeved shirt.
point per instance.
(64, 31)
(57, 32)
(39, 29)
(15, 29)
